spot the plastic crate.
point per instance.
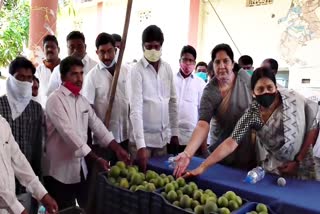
(72, 210)
(250, 206)
(112, 199)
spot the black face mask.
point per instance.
(266, 99)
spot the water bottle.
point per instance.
(171, 162)
(42, 210)
(255, 175)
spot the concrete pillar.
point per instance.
(194, 23)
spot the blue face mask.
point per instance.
(202, 75)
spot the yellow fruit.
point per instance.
(124, 183)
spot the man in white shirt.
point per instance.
(76, 47)
(43, 72)
(14, 164)
(69, 116)
(153, 102)
(189, 91)
(97, 88)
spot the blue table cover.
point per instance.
(297, 197)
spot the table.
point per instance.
(297, 197)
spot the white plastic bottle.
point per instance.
(42, 210)
(255, 175)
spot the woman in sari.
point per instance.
(225, 98)
(285, 125)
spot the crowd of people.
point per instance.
(53, 131)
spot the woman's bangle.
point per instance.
(187, 154)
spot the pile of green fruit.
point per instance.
(129, 177)
(260, 209)
(192, 199)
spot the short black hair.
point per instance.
(67, 63)
(273, 64)
(152, 33)
(236, 68)
(116, 37)
(76, 35)
(50, 38)
(189, 49)
(36, 79)
(260, 73)
(222, 47)
(201, 64)
(245, 60)
(210, 69)
(21, 62)
(104, 38)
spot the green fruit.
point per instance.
(233, 205)
(198, 209)
(172, 196)
(261, 208)
(136, 167)
(124, 183)
(160, 182)
(263, 213)
(150, 187)
(187, 190)
(181, 182)
(212, 199)
(175, 184)
(239, 201)
(115, 171)
(203, 199)
(223, 202)
(141, 187)
(154, 181)
(188, 210)
(133, 188)
(193, 185)
(194, 203)
(143, 177)
(169, 187)
(185, 201)
(210, 207)
(132, 170)
(179, 193)
(176, 203)
(164, 194)
(124, 173)
(163, 175)
(230, 195)
(166, 180)
(150, 175)
(210, 193)
(121, 164)
(136, 179)
(112, 180)
(144, 183)
(171, 178)
(197, 195)
(224, 210)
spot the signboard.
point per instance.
(252, 3)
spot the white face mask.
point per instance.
(19, 94)
(111, 64)
(152, 55)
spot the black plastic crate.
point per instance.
(112, 199)
(72, 210)
(250, 206)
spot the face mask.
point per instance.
(187, 68)
(72, 87)
(20, 89)
(266, 99)
(111, 64)
(203, 76)
(250, 72)
(152, 55)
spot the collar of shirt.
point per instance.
(180, 75)
(145, 62)
(85, 59)
(102, 66)
(65, 91)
